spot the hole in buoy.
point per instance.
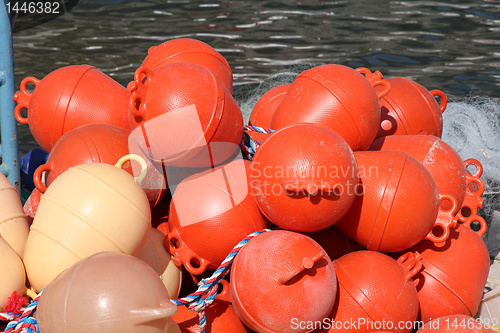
(30, 87)
(475, 226)
(175, 243)
(466, 211)
(24, 113)
(137, 103)
(473, 167)
(437, 231)
(195, 262)
(473, 187)
(446, 205)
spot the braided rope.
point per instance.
(24, 323)
(258, 129)
(249, 146)
(195, 301)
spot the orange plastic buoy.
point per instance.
(304, 177)
(375, 292)
(210, 213)
(106, 292)
(409, 108)
(453, 276)
(281, 279)
(88, 209)
(91, 143)
(96, 143)
(443, 162)
(338, 97)
(192, 51)
(397, 205)
(31, 205)
(68, 98)
(182, 115)
(263, 111)
(220, 316)
(14, 226)
(457, 323)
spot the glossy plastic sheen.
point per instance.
(88, 209)
(68, 98)
(210, 213)
(410, 109)
(397, 205)
(299, 282)
(220, 315)
(187, 117)
(374, 287)
(443, 162)
(454, 324)
(303, 177)
(453, 276)
(156, 256)
(192, 51)
(13, 223)
(12, 274)
(106, 292)
(263, 111)
(338, 97)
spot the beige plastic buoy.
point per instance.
(12, 274)
(106, 292)
(156, 256)
(89, 208)
(14, 226)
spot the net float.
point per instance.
(411, 109)
(319, 95)
(303, 177)
(220, 316)
(280, 277)
(201, 236)
(89, 208)
(156, 256)
(265, 107)
(456, 323)
(67, 98)
(192, 51)
(14, 226)
(188, 101)
(12, 274)
(106, 292)
(374, 289)
(442, 161)
(31, 206)
(453, 275)
(96, 143)
(381, 218)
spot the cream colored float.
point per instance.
(12, 274)
(88, 209)
(156, 256)
(13, 223)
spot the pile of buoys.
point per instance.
(337, 209)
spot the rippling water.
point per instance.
(450, 45)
